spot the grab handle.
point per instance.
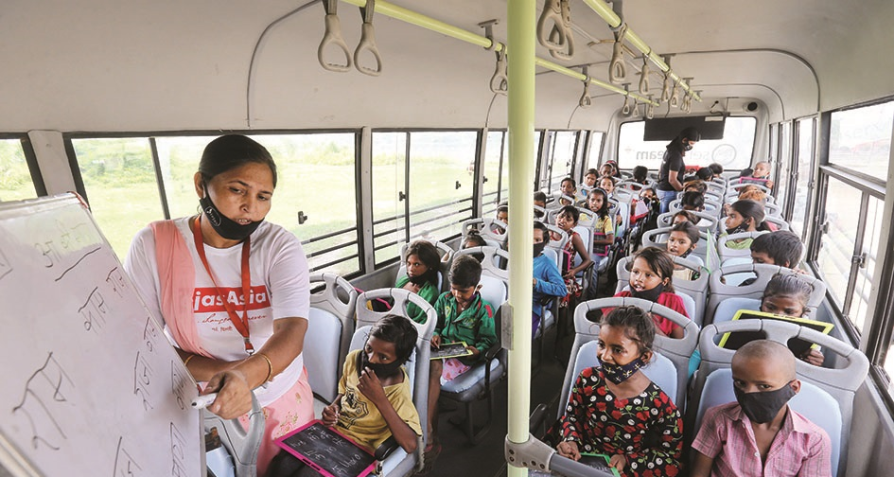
(332, 36)
(368, 41)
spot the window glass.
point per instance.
(442, 170)
(863, 286)
(179, 160)
(492, 156)
(837, 247)
(562, 157)
(861, 139)
(732, 152)
(595, 147)
(15, 178)
(803, 171)
(389, 188)
(785, 160)
(119, 179)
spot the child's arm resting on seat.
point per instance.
(372, 388)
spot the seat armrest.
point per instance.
(538, 420)
(386, 448)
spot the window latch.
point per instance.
(859, 260)
(458, 185)
(485, 179)
(825, 227)
(301, 217)
(401, 196)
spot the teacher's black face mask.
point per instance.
(223, 225)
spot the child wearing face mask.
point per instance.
(743, 216)
(548, 282)
(651, 278)
(423, 263)
(616, 410)
(760, 431)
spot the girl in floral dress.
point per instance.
(614, 409)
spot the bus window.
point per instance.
(595, 147)
(785, 160)
(15, 178)
(493, 160)
(863, 286)
(561, 157)
(120, 185)
(842, 215)
(803, 171)
(861, 138)
(389, 179)
(732, 152)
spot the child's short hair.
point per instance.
(538, 225)
(636, 323)
(540, 196)
(571, 211)
(698, 184)
(689, 216)
(568, 179)
(640, 173)
(784, 247)
(778, 354)
(502, 208)
(465, 271)
(660, 261)
(704, 173)
(475, 239)
(428, 255)
(398, 330)
(787, 284)
(717, 168)
(689, 229)
(591, 171)
(693, 199)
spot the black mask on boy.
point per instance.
(763, 407)
(223, 225)
(538, 248)
(382, 370)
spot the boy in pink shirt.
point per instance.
(759, 435)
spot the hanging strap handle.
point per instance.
(668, 82)
(332, 36)
(562, 31)
(617, 69)
(585, 100)
(499, 82)
(552, 12)
(368, 41)
(625, 110)
(644, 76)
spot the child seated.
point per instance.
(374, 399)
(781, 248)
(651, 278)
(568, 188)
(693, 200)
(705, 173)
(539, 201)
(695, 185)
(759, 175)
(614, 409)
(641, 175)
(603, 232)
(590, 178)
(548, 282)
(684, 216)
(472, 240)
(423, 264)
(502, 215)
(462, 316)
(744, 216)
(643, 205)
(759, 431)
(787, 295)
(566, 220)
(682, 240)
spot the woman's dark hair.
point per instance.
(640, 173)
(689, 229)
(538, 225)
(636, 323)
(750, 209)
(659, 261)
(690, 134)
(603, 211)
(428, 255)
(398, 330)
(788, 285)
(231, 151)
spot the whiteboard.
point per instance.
(90, 384)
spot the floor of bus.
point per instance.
(460, 457)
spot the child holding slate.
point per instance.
(463, 316)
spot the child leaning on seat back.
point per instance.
(462, 316)
(681, 242)
(760, 431)
(651, 278)
(787, 295)
(616, 410)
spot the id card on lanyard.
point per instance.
(241, 324)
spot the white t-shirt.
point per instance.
(279, 289)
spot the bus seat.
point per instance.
(707, 221)
(678, 351)
(720, 291)
(563, 237)
(485, 228)
(402, 272)
(242, 445)
(331, 318)
(772, 209)
(694, 293)
(734, 187)
(726, 251)
(811, 402)
(398, 463)
(705, 249)
(841, 382)
(743, 260)
(727, 309)
(778, 221)
(495, 262)
(445, 251)
(478, 383)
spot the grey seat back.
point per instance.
(484, 228)
(724, 243)
(329, 331)
(678, 351)
(707, 221)
(693, 292)
(720, 291)
(705, 249)
(494, 263)
(559, 243)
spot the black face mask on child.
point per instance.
(650, 295)
(538, 248)
(382, 370)
(763, 407)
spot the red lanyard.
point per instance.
(240, 324)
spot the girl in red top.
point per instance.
(651, 276)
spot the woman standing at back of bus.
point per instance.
(670, 175)
(233, 290)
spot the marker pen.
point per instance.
(201, 402)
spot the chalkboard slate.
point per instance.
(90, 384)
(328, 451)
(450, 350)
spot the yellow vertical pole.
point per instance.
(521, 50)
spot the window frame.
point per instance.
(151, 137)
(40, 187)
